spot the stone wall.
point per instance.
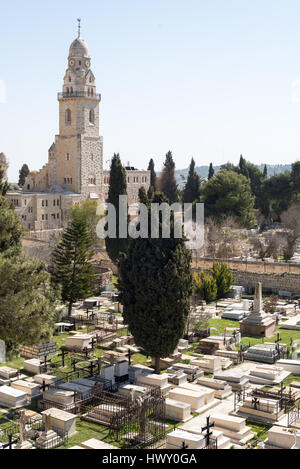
(282, 277)
(258, 267)
(270, 282)
(39, 350)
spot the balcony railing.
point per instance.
(79, 94)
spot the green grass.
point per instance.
(16, 362)
(86, 431)
(285, 334)
(261, 431)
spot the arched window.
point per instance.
(70, 79)
(68, 180)
(68, 117)
(68, 90)
(89, 91)
(92, 92)
(92, 116)
(91, 180)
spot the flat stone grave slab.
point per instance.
(7, 373)
(31, 389)
(59, 396)
(89, 383)
(222, 388)
(209, 394)
(10, 397)
(155, 380)
(293, 366)
(195, 399)
(282, 438)
(233, 427)
(178, 411)
(61, 420)
(132, 390)
(83, 392)
(32, 366)
(93, 443)
(49, 379)
(177, 437)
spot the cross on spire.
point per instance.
(79, 26)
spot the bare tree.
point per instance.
(222, 240)
(267, 245)
(270, 306)
(291, 221)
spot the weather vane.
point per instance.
(79, 26)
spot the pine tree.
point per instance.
(4, 186)
(211, 171)
(153, 178)
(167, 181)
(72, 267)
(87, 212)
(10, 229)
(191, 191)
(155, 284)
(223, 277)
(117, 186)
(27, 302)
(23, 173)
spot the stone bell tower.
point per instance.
(79, 148)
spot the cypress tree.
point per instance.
(153, 177)
(265, 173)
(167, 181)
(155, 285)
(23, 173)
(72, 267)
(117, 186)
(191, 191)
(211, 171)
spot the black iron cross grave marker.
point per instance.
(277, 343)
(255, 402)
(207, 429)
(129, 354)
(10, 442)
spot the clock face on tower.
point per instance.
(87, 63)
(72, 63)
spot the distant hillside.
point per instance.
(203, 171)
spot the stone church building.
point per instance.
(75, 160)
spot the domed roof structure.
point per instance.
(79, 48)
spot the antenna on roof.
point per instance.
(79, 26)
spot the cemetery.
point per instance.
(91, 383)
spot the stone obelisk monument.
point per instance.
(258, 323)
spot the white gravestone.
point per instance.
(2, 351)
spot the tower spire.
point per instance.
(79, 26)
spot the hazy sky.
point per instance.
(205, 78)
